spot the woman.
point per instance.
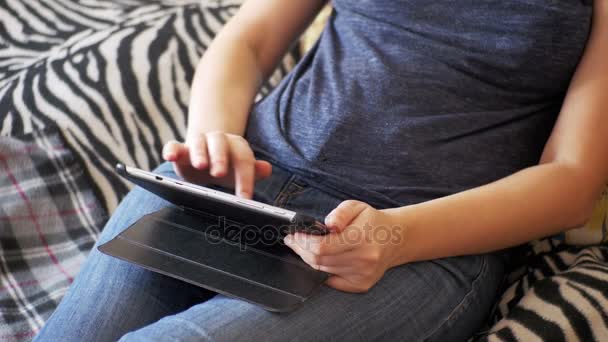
(431, 117)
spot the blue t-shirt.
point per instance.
(403, 101)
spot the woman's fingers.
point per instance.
(323, 245)
(243, 164)
(341, 265)
(263, 169)
(218, 158)
(327, 261)
(345, 285)
(173, 151)
(217, 146)
(198, 152)
(306, 255)
(179, 154)
(339, 218)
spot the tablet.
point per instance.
(220, 242)
(192, 196)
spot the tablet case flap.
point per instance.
(227, 258)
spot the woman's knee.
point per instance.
(165, 168)
(135, 205)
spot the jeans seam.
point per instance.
(463, 301)
(288, 190)
(296, 190)
(276, 201)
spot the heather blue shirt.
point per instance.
(404, 101)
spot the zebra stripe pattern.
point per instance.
(114, 76)
(560, 294)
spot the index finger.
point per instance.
(243, 162)
(198, 152)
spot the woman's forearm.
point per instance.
(533, 203)
(225, 84)
(241, 57)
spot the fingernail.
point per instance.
(288, 239)
(199, 164)
(216, 172)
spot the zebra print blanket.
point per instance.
(560, 293)
(49, 220)
(112, 76)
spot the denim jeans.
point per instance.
(441, 300)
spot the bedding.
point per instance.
(50, 217)
(85, 84)
(559, 292)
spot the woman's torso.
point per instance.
(405, 101)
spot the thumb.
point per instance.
(339, 218)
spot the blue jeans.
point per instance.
(445, 299)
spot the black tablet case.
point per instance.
(223, 255)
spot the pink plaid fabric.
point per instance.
(49, 220)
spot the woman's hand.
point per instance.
(362, 246)
(217, 158)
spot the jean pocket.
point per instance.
(299, 196)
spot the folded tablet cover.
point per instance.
(226, 257)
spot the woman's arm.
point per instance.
(240, 58)
(225, 84)
(555, 195)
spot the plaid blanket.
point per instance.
(49, 220)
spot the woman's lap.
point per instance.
(442, 298)
(445, 300)
(110, 296)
